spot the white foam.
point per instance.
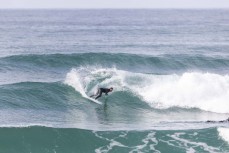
(224, 133)
(75, 80)
(150, 141)
(112, 143)
(209, 92)
(80, 79)
(206, 91)
(190, 145)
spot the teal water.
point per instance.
(43, 139)
(169, 70)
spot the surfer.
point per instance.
(102, 90)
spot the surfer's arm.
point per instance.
(106, 92)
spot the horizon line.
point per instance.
(68, 8)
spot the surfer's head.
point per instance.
(111, 89)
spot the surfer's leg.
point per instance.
(99, 94)
(92, 95)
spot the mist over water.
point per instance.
(169, 70)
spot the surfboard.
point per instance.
(83, 93)
(93, 100)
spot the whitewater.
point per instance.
(169, 70)
(205, 91)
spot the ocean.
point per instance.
(169, 70)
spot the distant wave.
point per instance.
(141, 63)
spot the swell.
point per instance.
(142, 63)
(44, 139)
(34, 95)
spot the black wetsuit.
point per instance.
(100, 91)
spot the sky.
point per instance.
(114, 4)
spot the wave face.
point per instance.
(169, 70)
